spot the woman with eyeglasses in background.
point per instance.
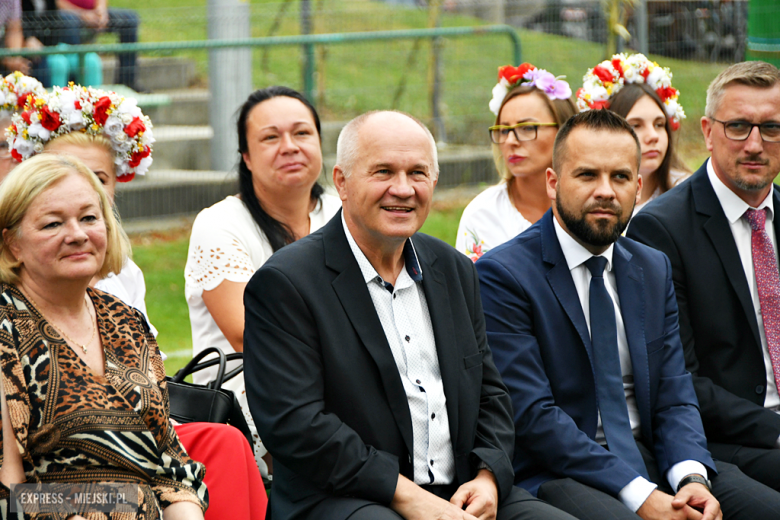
(530, 105)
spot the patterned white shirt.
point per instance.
(403, 311)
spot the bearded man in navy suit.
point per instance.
(583, 326)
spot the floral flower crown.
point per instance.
(526, 74)
(94, 112)
(609, 77)
(16, 90)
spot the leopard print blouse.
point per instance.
(72, 425)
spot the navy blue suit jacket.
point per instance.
(541, 345)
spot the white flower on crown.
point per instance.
(37, 130)
(499, 93)
(23, 147)
(113, 126)
(144, 165)
(75, 120)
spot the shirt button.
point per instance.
(760, 389)
(418, 382)
(433, 416)
(431, 462)
(407, 338)
(394, 295)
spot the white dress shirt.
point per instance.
(634, 494)
(403, 312)
(735, 208)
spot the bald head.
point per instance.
(378, 121)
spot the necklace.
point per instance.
(62, 332)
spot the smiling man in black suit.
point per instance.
(367, 368)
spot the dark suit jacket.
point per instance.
(324, 389)
(541, 344)
(717, 322)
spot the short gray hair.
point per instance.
(347, 144)
(758, 74)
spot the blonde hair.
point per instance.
(31, 178)
(561, 110)
(82, 139)
(759, 74)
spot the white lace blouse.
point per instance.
(226, 244)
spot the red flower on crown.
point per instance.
(135, 159)
(603, 74)
(618, 66)
(101, 110)
(514, 74)
(666, 92)
(598, 105)
(21, 101)
(135, 126)
(49, 120)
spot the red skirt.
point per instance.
(235, 487)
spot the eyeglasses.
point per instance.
(523, 131)
(741, 130)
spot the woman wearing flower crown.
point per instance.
(530, 104)
(111, 135)
(641, 91)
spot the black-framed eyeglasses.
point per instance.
(741, 130)
(523, 131)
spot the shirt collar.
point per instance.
(574, 252)
(411, 262)
(733, 206)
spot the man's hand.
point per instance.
(698, 496)
(414, 503)
(480, 496)
(660, 506)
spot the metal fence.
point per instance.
(192, 93)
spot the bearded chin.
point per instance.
(601, 234)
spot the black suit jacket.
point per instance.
(325, 391)
(718, 326)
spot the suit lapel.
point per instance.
(717, 228)
(559, 278)
(350, 287)
(437, 295)
(631, 293)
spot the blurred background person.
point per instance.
(530, 104)
(16, 89)
(641, 92)
(279, 201)
(80, 346)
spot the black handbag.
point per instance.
(207, 403)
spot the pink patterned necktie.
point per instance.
(768, 283)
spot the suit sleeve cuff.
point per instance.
(682, 469)
(634, 494)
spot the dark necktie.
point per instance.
(767, 283)
(609, 376)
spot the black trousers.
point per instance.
(740, 497)
(757, 463)
(519, 505)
